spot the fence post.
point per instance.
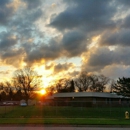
(5, 111)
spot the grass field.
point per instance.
(63, 115)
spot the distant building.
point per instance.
(87, 99)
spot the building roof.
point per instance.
(85, 94)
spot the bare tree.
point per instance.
(99, 83)
(1, 86)
(94, 83)
(50, 90)
(1, 90)
(83, 82)
(6, 91)
(3, 95)
(62, 85)
(27, 81)
(8, 88)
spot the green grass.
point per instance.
(62, 112)
(65, 121)
(63, 115)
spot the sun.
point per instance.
(42, 92)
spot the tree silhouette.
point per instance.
(94, 83)
(83, 82)
(18, 95)
(122, 86)
(61, 86)
(72, 86)
(27, 80)
(99, 83)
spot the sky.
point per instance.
(61, 38)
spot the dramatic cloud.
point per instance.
(116, 71)
(90, 15)
(74, 43)
(5, 12)
(39, 32)
(63, 67)
(124, 2)
(44, 51)
(7, 41)
(102, 57)
(33, 4)
(120, 37)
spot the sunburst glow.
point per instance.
(46, 75)
(43, 91)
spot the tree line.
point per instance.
(22, 85)
(25, 82)
(83, 83)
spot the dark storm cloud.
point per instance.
(79, 15)
(126, 22)
(24, 22)
(20, 27)
(12, 57)
(5, 12)
(81, 20)
(74, 43)
(62, 67)
(126, 3)
(44, 51)
(89, 14)
(32, 4)
(122, 37)
(103, 57)
(12, 53)
(89, 17)
(7, 41)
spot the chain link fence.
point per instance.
(86, 109)
(69, 109)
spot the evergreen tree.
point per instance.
(72, 87)
(122, 86)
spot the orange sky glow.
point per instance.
(60, 39)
